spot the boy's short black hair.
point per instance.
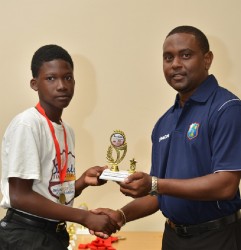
(200, 36)
(48, 53)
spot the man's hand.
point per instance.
(136, 185)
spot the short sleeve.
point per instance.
(21, 152)
(226, 140)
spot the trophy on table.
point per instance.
(119, 145)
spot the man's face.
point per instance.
(185, 66)
(55, 84)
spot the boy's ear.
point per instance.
(33, 84)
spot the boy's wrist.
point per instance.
(80, 185)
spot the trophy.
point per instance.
(119, 145)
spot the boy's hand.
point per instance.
(91, 176)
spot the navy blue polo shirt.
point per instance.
(202, 138)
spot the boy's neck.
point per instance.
(54, 115)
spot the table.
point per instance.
(131, 241)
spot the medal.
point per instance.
(62, 171)
(62, 198)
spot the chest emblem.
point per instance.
(192, 131)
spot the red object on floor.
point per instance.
(100, 244)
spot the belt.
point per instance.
(26, 219)
(192, 230)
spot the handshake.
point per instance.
(102, 222)
(115, 219)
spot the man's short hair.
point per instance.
(200, 36)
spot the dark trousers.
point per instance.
(227, 238)
(18, 236)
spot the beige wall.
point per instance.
(117, 49)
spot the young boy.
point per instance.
(38, 164)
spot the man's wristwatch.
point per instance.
(153, 186)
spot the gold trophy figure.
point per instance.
(132, 166)
(118, 143)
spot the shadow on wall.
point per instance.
(81, 107)
(222, 64)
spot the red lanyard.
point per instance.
(62, 172)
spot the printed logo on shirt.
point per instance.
(68, 186)
(164, 137)
(193, 131)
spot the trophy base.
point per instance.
(109, 175)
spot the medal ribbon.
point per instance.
(62, 172)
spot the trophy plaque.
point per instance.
(119, 145)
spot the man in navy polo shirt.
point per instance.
(196, 155)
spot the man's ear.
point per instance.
(208, 58)
(33, 84)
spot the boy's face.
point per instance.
(55, 84)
